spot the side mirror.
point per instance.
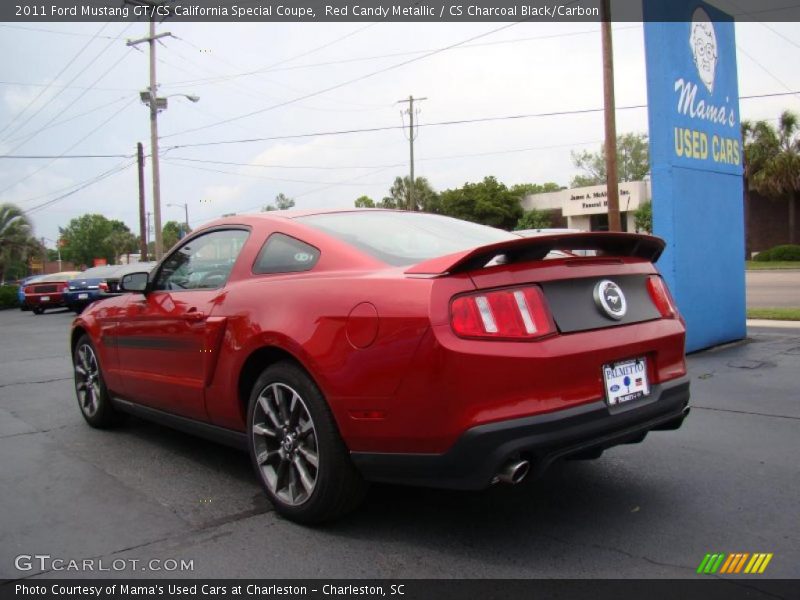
(134, 282)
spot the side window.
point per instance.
(203, 263)
(284, 254)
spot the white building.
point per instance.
(587, 208)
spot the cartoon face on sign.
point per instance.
(703, 41)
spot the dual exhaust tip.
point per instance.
(513, 472)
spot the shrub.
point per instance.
(786, 252)
(8, 296)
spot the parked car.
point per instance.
(21, 290)
(554, 231)
(47, 292)
(344, 347)
(96, 283)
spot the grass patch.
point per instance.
(774, 314)
(752, 265)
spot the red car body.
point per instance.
(47, 292)
(414, 400)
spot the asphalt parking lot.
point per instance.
(728, 481)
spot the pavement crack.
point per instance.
(5, 385)
(35, 431)
(745, 412)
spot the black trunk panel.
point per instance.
(573, 306)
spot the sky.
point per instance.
(73, 89)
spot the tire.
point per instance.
(90, 389)
(289, 429)
(37, 311)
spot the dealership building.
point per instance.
(586, 208)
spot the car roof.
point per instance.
(62, 276)
(282, 215)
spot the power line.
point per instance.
(284, 60)
(63, 156)
(212, 80)
(46, 87)
(44, 166)
(342, 84)
(439, 123)
(386, 166)
(97, 179)
(79, 115)
(71, 33)
(61, 91)
(69, 87)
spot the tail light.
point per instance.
(517, 314)
(64, 288)
(28, 289)
(661, 297)
(103, 286)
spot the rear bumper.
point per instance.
(478, 454)
(56, 300)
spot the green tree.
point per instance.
(633, 161)
(16, 241)
(364, 202)
(425, 198)
(772, 162)
(488, 202)
(86, 238)
(534, 219)
(643, 217)
(122, 241)
(520, 190)
(172, 232)
(282, 202)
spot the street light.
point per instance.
(185, 207)
(157, 104)
(58, 249)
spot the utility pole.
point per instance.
(612, 175)
(155, 103)
(142, 216)
(412, 205)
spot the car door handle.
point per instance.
(194, 316)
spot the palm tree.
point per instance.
(772, 162)
(16, 237)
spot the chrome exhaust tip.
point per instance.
(513, 472)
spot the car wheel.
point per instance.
(295, 446)
(93, 398)
(37, 310)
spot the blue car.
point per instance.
(98, 282)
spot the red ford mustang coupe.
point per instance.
(345, 347)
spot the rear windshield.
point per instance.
(405, 238)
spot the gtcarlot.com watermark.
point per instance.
(47, 562)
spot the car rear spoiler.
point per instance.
(605, 244)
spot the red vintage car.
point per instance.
(47, 292)
(344, 347)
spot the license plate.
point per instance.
(626, 381)
(44, 299)
(83, 296)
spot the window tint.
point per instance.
(284, 254)
(203, 263)
(402, 238)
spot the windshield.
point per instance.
(405, 238)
